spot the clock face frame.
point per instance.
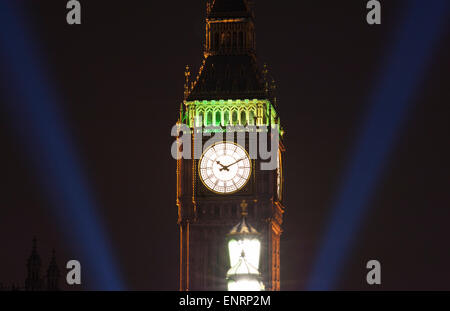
(225, 168)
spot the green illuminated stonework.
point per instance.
(230, 112)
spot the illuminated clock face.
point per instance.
(225, 168)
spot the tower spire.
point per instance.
(53, 274)
(33, 281)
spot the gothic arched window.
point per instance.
(228, 39)
(199, 118)
(222, 40)
(218, 118)
(213, 71)
(235, 117)
(251, 119)
(226, 118)
(241, 40)
(243, 118)
(208, 118)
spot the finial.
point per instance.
(208, 7)
(244, 206)
(180, 119)
(187, 74)
(273, 88)
(265, 73)
(265, 70)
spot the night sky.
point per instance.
(119, 77)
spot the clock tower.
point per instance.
(230, 95)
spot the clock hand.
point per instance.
(226, 167)
(223, 166)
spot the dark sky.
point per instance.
(120, 79)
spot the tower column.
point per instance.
(184, 256)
